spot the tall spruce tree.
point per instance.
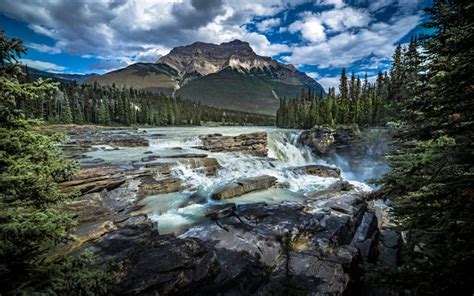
(431, 178)
(31, 227)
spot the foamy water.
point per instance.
(176, 211)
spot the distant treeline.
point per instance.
(111, 105)
(359, 102)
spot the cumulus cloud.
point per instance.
(310, 27)
(315, 26)
(347, 47)
(345, 18)
(126, 28)
(335, 3)
(46, 66)
(268, 24)
(44, 48)
(120, 32)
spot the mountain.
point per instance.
(60, 77)
(229, 75)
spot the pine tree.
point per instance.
(431, 180)
(30, 224)
(343, 86)
(66, 114)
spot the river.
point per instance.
(173, 212)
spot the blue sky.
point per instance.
(319, 36)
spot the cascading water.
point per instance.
(175, 210)
(283, 145)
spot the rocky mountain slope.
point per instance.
(228, 75)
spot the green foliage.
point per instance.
(106, 105)
(361, 104)
(431, 178)
(31, 164)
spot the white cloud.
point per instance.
(328, 82)
(315, 26)
(268, 24)
(46, 66)
(335, 3)
(151, 55)
(311, 29)
(347, 47)
(44, 48)
(345, 18)
(127, 31)
(119, 29)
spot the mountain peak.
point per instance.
(206, 58)
(236, 42)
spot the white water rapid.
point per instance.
(174, 211)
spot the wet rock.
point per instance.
(318, 170)
(365, 238)
(95, 183)
(187, 155)
(284, 249)
(206, 165)
(324, 139)
(170, 267)
(88, 231)
(244, 185)
(148, 152)
(121, 244)
(88, 207)
(184, 155)
(337, 188)
(389, 248)
(320, 139)
(253, 143)
(156, 265)
(150, 158)
(85, 136)
(152, 186)
(220, 211)
(157, 135)
(307, 274)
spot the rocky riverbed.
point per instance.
(250, 212)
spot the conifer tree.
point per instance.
(430, 179)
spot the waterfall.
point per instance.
(175, 210)
(283, 145)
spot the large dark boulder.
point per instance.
(324, 139)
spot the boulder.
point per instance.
(324, 139)
(244, 185)
(86, 208)
(155, 265)
(285, 249)
(184, 155)
(365, 238)
(152, 186)
(317, 170)
(206, 165)
(220, 211)
(320, 139)
(253, 143)
(337, 188)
